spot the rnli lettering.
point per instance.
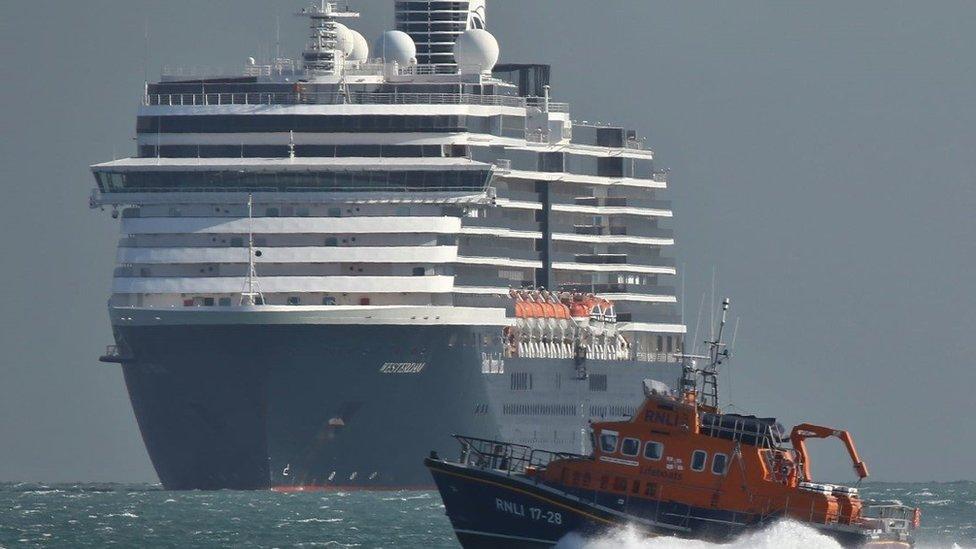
(402, 367)
(663, 418)
(531, 513)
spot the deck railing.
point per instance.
(333, 98)
(505, 456)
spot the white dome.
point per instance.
(360, 49)
(475, 51)
(396, 46)
(344, 39)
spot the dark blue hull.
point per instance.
(339, 406)
(490, 508)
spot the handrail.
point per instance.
(505, 456)
(335, 98)
(388, 188)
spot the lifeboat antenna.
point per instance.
(249, 295)
(718, 353)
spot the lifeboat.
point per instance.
(679, 467)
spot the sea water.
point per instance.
(97, 515)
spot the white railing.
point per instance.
(656, 356)
(333, 98)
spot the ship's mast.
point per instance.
(718, 352)
(323, 56)
(250, 295)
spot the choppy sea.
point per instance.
(96, 515)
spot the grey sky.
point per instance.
(823, 160)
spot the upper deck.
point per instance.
(381, 181)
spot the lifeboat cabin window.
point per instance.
(698, 459)
(608, 442)
(653, 450)
(720, 462)
(630, 447)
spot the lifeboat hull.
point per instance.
(491, 508)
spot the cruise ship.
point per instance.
(327, 266)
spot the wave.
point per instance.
(780, 535)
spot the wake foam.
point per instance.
(780, 535)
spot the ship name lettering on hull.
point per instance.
(402, 367)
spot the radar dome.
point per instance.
(360, 49)
(396, 46)
(475, 51)
(345, 41)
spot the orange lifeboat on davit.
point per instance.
(679, 467)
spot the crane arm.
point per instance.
(801, 432)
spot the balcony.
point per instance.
(500, 223)
(601, 258)
(588, 229)
(618, 288)
(615, 201)
(612, 259)
(600, 230)
(497, 252)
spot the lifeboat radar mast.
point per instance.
(718, 352)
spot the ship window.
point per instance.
(608, 442)
(328, 300)
(698, 459)
(653, 450)
(720, 463)
(294, 300)
(630, 447)
(419, 271)
(619, 484)
(331, 241)
(208, 301)
(224, 302)
(650, 489)
(236, 242)
(636, 487)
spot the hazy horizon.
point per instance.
(822, 162)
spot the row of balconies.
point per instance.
(566, 228)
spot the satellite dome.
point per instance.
(396, 46)
(360, 49)
(344, 39)
(475, 51)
